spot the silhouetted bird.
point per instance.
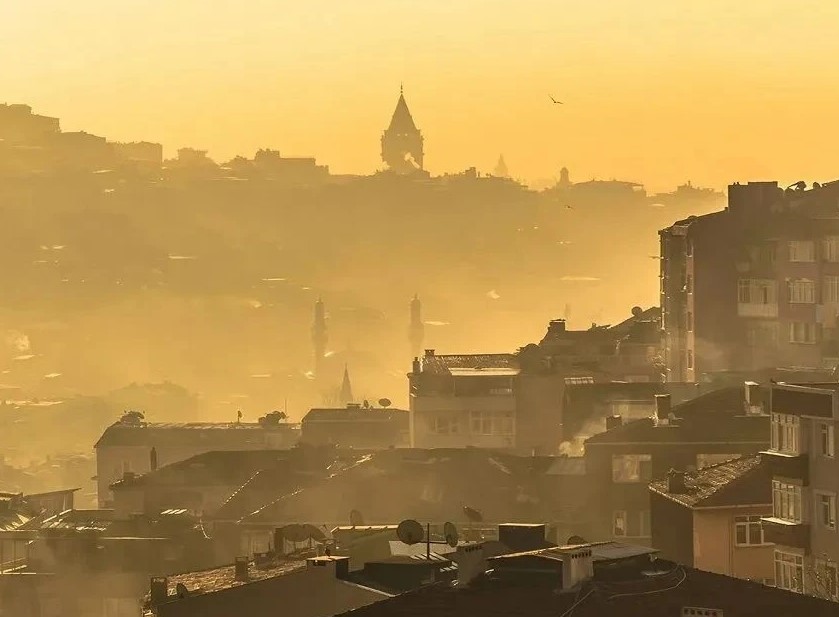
(569, 207)
(556, 102)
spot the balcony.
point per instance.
(752, 309)
(783, 465)
(786, 533)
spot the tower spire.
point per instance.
(346, 388)
(401, 91)
(417, 328)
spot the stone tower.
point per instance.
(402, 141)
(501, 170)
(319, 336)
(564, 178)
(417, 333)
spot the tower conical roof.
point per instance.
(346, 388)
(402, 122)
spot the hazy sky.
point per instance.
(659, 91)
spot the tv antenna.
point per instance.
(385, 402)
(411, 532)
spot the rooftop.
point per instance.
(738, 482)
(224, 577)
(355, 414)
(654, 594)
(123, 433)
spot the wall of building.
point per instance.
(715, 549)
(672, 529)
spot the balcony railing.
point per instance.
(783, 465)
(757, 310)
(786, 533)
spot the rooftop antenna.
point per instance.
(385, 402)
(411, 532)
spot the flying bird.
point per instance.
(557, 102)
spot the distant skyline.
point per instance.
(656, 92)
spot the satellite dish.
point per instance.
(473, 515)
(181, 590)
(356, 520)
(576, 540)
(452, 537)
(385, 402)
(295, 533)
(315, 533)
(410, 531)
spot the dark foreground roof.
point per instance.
(662, 595)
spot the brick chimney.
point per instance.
(676, 482)
(662, 408)
(159, 590)
(242, 564)
(613, 422)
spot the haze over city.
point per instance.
(655, 92)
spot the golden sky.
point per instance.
(658, 91)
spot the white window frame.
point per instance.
(757, 291)
(619, 530)
(802, 251)
(445, 425)
(746, 524)
(830, 249)
(786, 433)
(802, 291)
(787, 503)
(803, 332)
(830, 289)
(827, 445)
(630, 466)
(825, 507)
(789, 571)
(492, 423)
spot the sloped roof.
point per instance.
(226, 467)
(444, 363)
(717, 427)
(392, 485)
(662, 595)
(739, 482)
(224, 577)
(401, 121)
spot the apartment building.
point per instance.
(805, 482)
(755, 285)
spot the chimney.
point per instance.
(577, 566)
(613, 421)
(429, 353)
(676, 482)
(754, 398)
(340, 565)
(662, 408)
(471, 562)
(416, 368)
(557, 326)
(159, 590)
(242, 568)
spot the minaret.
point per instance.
(402, 141)
(501, 170)
(564, 178)
(417, 333)
(319, 336)
(346, 396)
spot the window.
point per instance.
(825, 582)
(690, 358)
(802, 332)
(826, 446)
(757, 291)
(830, 289)
(492, 423)
(786, 501)
(762, 333)
(619, 523)
(802, 250)
(826, 510)
(748, 531)
(635, 524)
(802, 291)
(785, 429)
(830, 248)
(628, 468)
(789, 571)
(445, 425)
(706, 460)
